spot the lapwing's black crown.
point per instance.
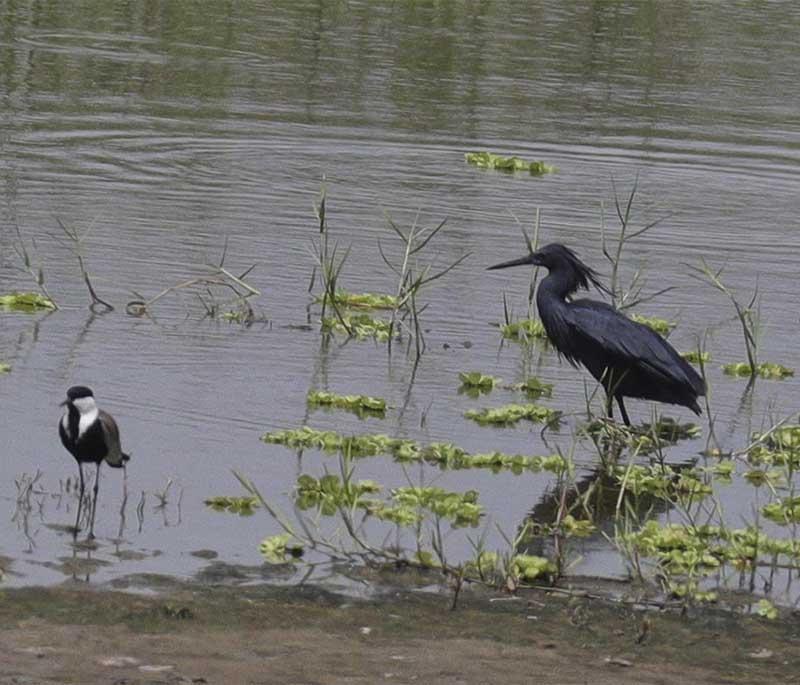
(78, 391)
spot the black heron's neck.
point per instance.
(558, 285)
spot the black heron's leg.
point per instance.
(622, 410)
(80, 501)
(94, 503)
(609, 406)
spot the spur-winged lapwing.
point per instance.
(90, 435)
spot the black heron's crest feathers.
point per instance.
(578, 273)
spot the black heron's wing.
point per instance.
(604, 330)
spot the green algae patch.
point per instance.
(696, 357)
(362, 405)
(509, 414)
(764, 370)
(660, 326)
(524, 330)
(359, 326)
(489, 160)
(533, 388)
(244, 506)
(342, 298)
(278, 549)
(26, 302)
(5, 368)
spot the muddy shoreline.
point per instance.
(184, 632)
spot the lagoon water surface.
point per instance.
(160, 131)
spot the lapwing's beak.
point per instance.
(64, 403)
(532, 258)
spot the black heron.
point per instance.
(90, 435)
(627, 358)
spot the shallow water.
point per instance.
(166, 130)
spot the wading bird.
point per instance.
(90, 435)
(627, 358)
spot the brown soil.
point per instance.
(195, 633)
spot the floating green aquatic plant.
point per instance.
(646, 438)
(25, 302)
(443, 455)
(524, 330)
(244, 506)
(778, 447)
(360, 326)
(474, 383)
(528, 567)
(330, 492)
(764, 369)
(449, 456)
(660, 326)
(343, 298)
(510, 414)
(695, 357)
(329, 441)
(663, 482)
(5, 368)
(687, 553)
(363, 405)
(783, 511)
(489, 160)
(475, 379)
(277, 548)
(766, 609)
(460, 508)
(534, 388)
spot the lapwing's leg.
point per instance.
(622, 409)
(94, 503)
(80, 501)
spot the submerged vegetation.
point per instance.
(489, 160)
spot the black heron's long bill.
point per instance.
(531, 258)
